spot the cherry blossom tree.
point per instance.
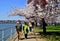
(35, 9)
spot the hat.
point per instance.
(18, 21)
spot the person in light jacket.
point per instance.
(26, 29)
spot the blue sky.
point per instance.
(7, 5)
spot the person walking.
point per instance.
(19, 29)
(25, 29)
(30, 26)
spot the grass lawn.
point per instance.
(50, 28)
(51, 34)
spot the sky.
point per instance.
(7, 6)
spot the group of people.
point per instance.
(27, 27)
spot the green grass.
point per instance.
(51, 35)
(52, 38)
(50, 28)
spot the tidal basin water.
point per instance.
(6, 30)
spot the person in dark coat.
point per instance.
(32, 24)
(44, 24)
(19, 29)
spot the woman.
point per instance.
(30, 26)
(25, 29)
(19, 29)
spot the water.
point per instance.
(7, 30)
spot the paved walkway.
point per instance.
(36, 39)
(32, 38)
